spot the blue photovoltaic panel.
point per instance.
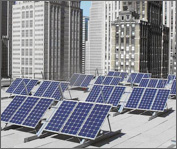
(104, 95)
(77, 118)
(79, 80)
(116, 95)
(173, 88)
(134, 98)
(14, 85)
(144, 83)
(115, 81)
(132, 77)
(93, 95)
(152, 82)
(138, 78)
(116, 74)
(94, 121)
(42, 88)
(147, 75)
(35, 115)
(64, 85)
(87, 80)
(60, 116)
(147, 99)
(161, 83)
(21, 86)
(107, 80)
(123, 75)
(110, 73)
(12, 107)
(160, 100)
(99, 80)
(29, 87)
(50, 90)
(25, 108)
(74, 78)
(171, 77)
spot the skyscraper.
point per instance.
(47, 40)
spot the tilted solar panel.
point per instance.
(161, 83)
(116, 74)
(74, 78)
(110, 73)
(100, 80)
(160, 100)
(144, 83)
(147, 75)
(115, 81)
(13, 86)
(123, 75)
(87, 80)
(138, 78)
(152, 83)
(94, 121)
(107, 80)
(60, 116)
(29, 87)
(80, 80)
(42, 88)
(64, 85)
(173, 88)
(51, 89)
(132, 77)
(12, 107)
(21, 86)
(171, 77)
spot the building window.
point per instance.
(23, 15)
(31, 14)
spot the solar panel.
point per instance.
(29, 87)
(14, 85)
(21, 86)
(60, 116)
(94, 121)
(147, 75)
(116, 95)
(93, 95)
(144, 83)
(171, 77)
(160, 100)
(77, 118)
(35, 115)
(99, 80)
(161, 83)
(110, 73)
(147, 99)
(134, 98)
(42, 88)
(50, 90)
(138, 78)
(104, 95)
(64, 85)
(12, 107)
(87, 80)
(79, 80)
(123, 75)
(115, 81)
(116, 74)
(132, 77)
(74, 78)
(107, 80)
(152, 82)
(173, 88)
(24, 110)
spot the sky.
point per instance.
(85, 5)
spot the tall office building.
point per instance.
(169, 19)
(47, 40)
(6, 28)
(84, 40)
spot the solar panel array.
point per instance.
(121, 75)
(26, 111)
(78, 119)
(151, 99)
(51, 89)
(171, 77)
(80, 80)
(137, 77)
(173, 88)
(106, 94)
(108, 80)
(144, 83)
(22, 86)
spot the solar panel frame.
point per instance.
(13, 84)
(77, 76)
(147, 75)
(157, 80)
(115, 81)
(123, 75)
(160, 84)
(143, 82)
(117, 74)
(31, 87)
(108, 80)
(132, 77)
(173, 88)
(99, 80)
(87, 80)
(80, 80)
(171, 77)
(139, 79)
(111, 73)
(66, 85)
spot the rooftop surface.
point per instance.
(136, 129)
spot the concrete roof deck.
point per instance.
(137, 131)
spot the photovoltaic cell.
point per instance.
(144, 83)
(147, 75)
(12, 107)
(93, 95)
(115, 81)
(107, 80)
(147, 99)
(134, 98)
(29, 87)
(123, 75)
(116, 95)
(160, 100)
(110, 73)
(99, 80)
(171, 77)
(50, 90)
(104, 95)
(79, 80)
(64, 85)
(93, 123)
(173, 88)
(87, 80)
(161, 83)
(42, 88)
(77, 118)
(14, 85)
(35, 115)
(21, 86)
(74, 78)
(138, 78)
(152, 82)
(60, 116)
(132, 77)
(116, 74)
(25, 108)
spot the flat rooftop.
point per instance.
(136, 129)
